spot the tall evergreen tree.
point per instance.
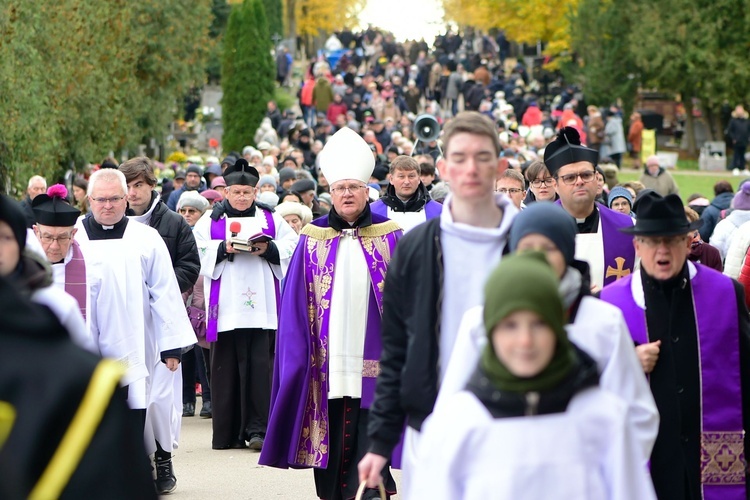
(273, 15)
(247, 74)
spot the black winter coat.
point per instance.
(180, 242)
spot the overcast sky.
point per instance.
(405, 18)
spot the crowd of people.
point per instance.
(353, 299)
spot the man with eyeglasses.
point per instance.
(329, 335)
(137, 314)
(511, 183)
(406, 200)
(241, 288)
(55, 230)
(609, 253)
(692, 331)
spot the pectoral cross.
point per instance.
(620, 272)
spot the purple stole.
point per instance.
(722, 436)
(219, 232)
(320, 245)
(619, 253)
(431, 209)
(75, 277)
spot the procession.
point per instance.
(421, 280)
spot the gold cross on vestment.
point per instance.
(725, 458)
(620, 272)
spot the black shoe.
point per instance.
(188, 409)
(236, 445)
(206, 410)
(255, 442)
(165, 480)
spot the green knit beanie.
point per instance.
(526, 282)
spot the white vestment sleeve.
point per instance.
(171, 324)
(623, 375)
(626, 475)
(68, 312)
(470, 341)
(207, 248)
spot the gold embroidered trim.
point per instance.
(381, 229)
(319, 233)
(370, 368)
(722, 458)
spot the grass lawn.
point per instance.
(689, 181)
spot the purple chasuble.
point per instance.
(219, 232)
(298, 423)
(619, 253)
(722, 437)
(75, 277)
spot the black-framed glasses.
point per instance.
(537, 183)
(586, 177)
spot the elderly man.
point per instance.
(434, 279)
(30, 273)
(406, 200)
(657, 178)
(241, 289)
(329, 336)
(37, 185)
(512, 184)
(693, 334)
(609, 253)
(137, 315)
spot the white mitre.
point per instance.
(346, 156)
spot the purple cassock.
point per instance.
(297, 433)
(619, 253)
(722, 437)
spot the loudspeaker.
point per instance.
(426, 128)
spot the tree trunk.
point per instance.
(710, 117)
(291, 20)
(690, 127)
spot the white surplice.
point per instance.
(247, 296)
(590, 248)
(137, 310)
(407, 220)
(68, 312)
(585, 453)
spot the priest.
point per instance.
(608, 252)
(329, 335)
(242, 289)
(692, 332)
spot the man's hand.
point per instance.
(259, 248)
(172, 363)
(370, 468)
(648, 355)
(229, 248)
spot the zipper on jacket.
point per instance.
(532, 403)
(439, 300)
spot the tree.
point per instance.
(604, 63)
(697, 50)
(314, 17)
(247, 74)
(273, 10)
(84, 77)
(220, 10)
(524, 21)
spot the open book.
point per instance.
(246, 245)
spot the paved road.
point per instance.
(203, 473)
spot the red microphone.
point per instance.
(235, 227)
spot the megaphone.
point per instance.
(426, 128)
